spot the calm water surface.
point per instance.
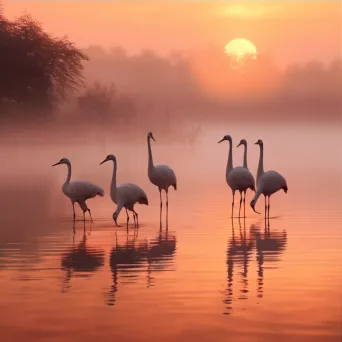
(206, 277)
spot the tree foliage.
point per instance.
(36, 69)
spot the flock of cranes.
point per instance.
(240, 178)
(162, 176)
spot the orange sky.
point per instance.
(286, 30)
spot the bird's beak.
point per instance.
(116, 223)
(55, 164)
(238, 145)
(221, 140)
(254, 209)
(257, 143)
(153, 138)
(103, 161)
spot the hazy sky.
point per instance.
(286, 30)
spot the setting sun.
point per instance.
(240, 48)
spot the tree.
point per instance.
(36, 69)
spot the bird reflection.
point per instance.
(81, 259)
(268, 246)
(126, 260)
(160, 254)
(239, 252)
(129, 261)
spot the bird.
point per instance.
(244, 143)
(268, 182)
(125, 195)
(238, 178)
(79, 191)
(161, 176)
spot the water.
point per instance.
(204, 278)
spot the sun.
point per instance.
(240, 49)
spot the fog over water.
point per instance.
(206, 275)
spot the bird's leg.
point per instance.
(233, 204)
(268, 207)
(244, 204)
(265, 206)
(84, 215)
(136, 216)
(91, 218)
(135, 224)
(240, 203)
(127, 216)
(73, 208)
(161, 208)
(167, 208)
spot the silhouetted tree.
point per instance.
(36, 69)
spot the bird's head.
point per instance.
(150, 136)
(242, 142)
(253, 202)
(63, 161)
(115, 217)
(259, 142)
(109, 157)
(226, 137)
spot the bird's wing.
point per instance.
(240, 176)
(84, 189)
(272, 180)
(166, 173)
(131, 193)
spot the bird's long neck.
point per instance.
(256, 196)
(150, 158)
(245, 158)
(113, 184)
(230, 158)
(119, 208)
(261, 162)
(67, 181)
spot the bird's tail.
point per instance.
(100, 193)
(285, 189)
(143, 200)
(175, 186)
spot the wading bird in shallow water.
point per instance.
(160, 175)
(268, 182)
(79, 191)
(125, 195)
(238, 178)
(244, 143)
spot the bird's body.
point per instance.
(79, 191)
(268, 182)
(125, 195)
(271, 182)
(238, 178)
(161, 176)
